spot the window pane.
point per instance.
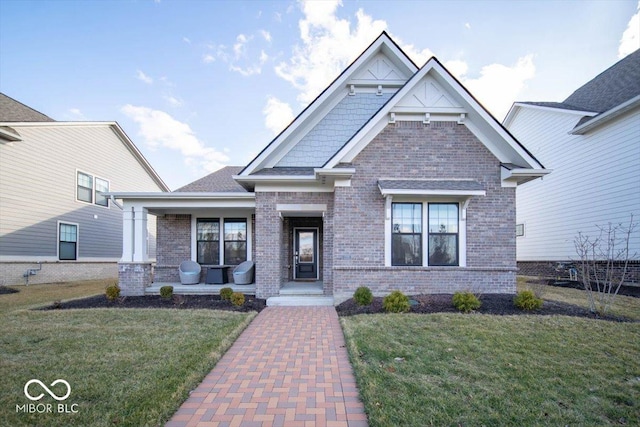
(102, 186)
(235, 252)
(84, 194)
(443, 249)
(208, 230)
(406, 249)
(85, 180)
(84, 187)
(68, 233)
(67, 250)
(235, 230)
(443, 218)
(407, 217)
(209, 252)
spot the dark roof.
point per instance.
(612, 87)
(220, 181)
(293, 171)
(15, 111)
(422, 184)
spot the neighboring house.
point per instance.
(54, 220)
(592, 142)
(394, 177)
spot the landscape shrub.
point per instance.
(166, 292)
(363, 296)
(225, 293)
(527, 300)
(112, 292)
(396, 302)
(237, 299)
(466, 302)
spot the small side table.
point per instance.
(217, 275)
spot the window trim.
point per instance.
(462, 228)
(457, 235)
(212, 220)
(77, 242)
(421, 254)
(94, 191)
(222, 215)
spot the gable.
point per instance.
(429, 97)
(380, 70)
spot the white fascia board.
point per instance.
(180, 196)
(273, 178)
(335, 172)
(521, 175)
(338, 86)
(407, 192)
(517, 105)
(606, 116)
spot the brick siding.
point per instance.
(12, 273)
(174, 246)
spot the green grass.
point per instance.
(130, 367)
(470, 369)
(38, 295)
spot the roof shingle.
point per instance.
(15, 111)
(220, 181)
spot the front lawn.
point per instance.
(130, 367)
(473, 370)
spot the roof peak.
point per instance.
(12, 110)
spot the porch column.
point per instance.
(140, 251)
(127, 234)
(268, 232)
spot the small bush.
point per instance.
(112, 292)
(396, 302)
(225, 293)
(237, 299)
(166, 292)
(466, 301)
(363, 296)
(527, 300)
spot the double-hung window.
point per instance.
(89, 189)
(406, 240)
(235, 241)
(443, 234)
(208, 241)
(67, 241)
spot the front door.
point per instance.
(305, 253)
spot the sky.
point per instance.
(198, 85)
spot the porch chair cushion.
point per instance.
(189, 272)
(243, 273)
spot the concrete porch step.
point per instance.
(299, 300)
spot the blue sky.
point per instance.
(202, 84)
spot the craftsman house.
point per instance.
(56, 224)
(394, 177)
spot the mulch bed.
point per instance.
(6, 290)
(496, 304)
(630, 291)
(211, 302)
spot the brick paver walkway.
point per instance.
(288, 368)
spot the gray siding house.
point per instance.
(395, 177)
(55, 221)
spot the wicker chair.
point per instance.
(243, 273)
(189, 272)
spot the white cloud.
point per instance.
(499, 85)
(187, 40)
(278, 114)
(328, 46)
(630, 41)
(263, 57)
(208, 58)
(467, 25)
(246, 71)
(173, 101)
(76, 114)
(419, 57)
(239, 46)
(159, 130)
(266, 35)
(144, 78)
(457, 68)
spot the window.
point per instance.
(208, 241)
(235, 241)
(85, 187)
(90, 189)
(102, 186)
(519, 230)
(67, 241)
(406, 234)
(443, 234)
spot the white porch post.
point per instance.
(127, 234)
(140, 252)
(387, 230)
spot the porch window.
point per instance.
(235, 241)
(67, 241)
(406, 240)
(443, 234)
(208, 231)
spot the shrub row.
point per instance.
(397, 302)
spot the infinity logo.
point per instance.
(52, 394)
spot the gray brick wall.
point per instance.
(441, 150)
(133, 278)
(174, 246)
(12, 273)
